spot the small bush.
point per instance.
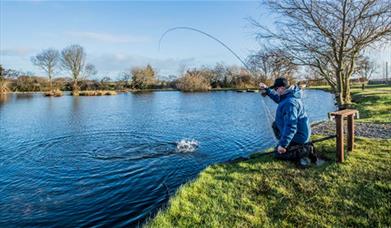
(192, 82)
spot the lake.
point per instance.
(115, 160)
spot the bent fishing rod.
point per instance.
(210, 36)
(268, 113)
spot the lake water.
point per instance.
(114, 161)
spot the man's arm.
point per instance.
(270, 92)
(273, 95)
(290, 125)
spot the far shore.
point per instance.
(325, 88)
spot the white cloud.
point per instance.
(107, 37)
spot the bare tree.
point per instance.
(73, 59)
(270, 64)
(89, 71)
(48, 61)
(104, 82)
(220, 71)
(365, 68)
(329, 35)
(124, 79)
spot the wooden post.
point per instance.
(350, 132)
(339, 120)
(340, 138)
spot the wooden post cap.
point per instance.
(345, 112)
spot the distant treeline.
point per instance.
(139, 78)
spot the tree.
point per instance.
(329, 35)
(243, 79)
(193, 81)
(3, 82)
(124, 79)
(73, 59)
(89, 71)
(270, 64)
(104, 82)
(143, 78)
(48, 61)
(365, 68)
(220, 71)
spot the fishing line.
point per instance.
(269, 116)
(208, 35)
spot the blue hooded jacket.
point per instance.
(291, 118)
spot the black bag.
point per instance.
(299, 151)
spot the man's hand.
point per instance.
(262, 86)
(281, 150)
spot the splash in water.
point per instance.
(186, 145)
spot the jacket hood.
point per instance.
(293, 91)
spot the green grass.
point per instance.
(266, 192)
(374, 104)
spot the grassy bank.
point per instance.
(265, 192)
(373, 103)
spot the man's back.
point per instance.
(291, 118)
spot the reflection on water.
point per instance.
(114, 160)
(24, 96)
(4, 98)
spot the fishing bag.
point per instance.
(296, 151)
(299, 151)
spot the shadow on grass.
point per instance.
(373, 105)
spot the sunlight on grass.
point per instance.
(374, 103)
(263, 191)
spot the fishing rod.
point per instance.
(210, 36)
(269, 116)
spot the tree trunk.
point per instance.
(346, 93)
(340, 91)
(50, 83)
(75, 88)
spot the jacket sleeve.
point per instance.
(290, 124)
(273, 95)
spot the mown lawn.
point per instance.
(266, 192)
(374, 104)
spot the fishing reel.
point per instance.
(263, 92)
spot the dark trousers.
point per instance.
(296, 151)
(290, 154)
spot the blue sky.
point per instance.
(120, 35)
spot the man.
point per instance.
(291, 126)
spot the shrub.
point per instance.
(192, 82)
